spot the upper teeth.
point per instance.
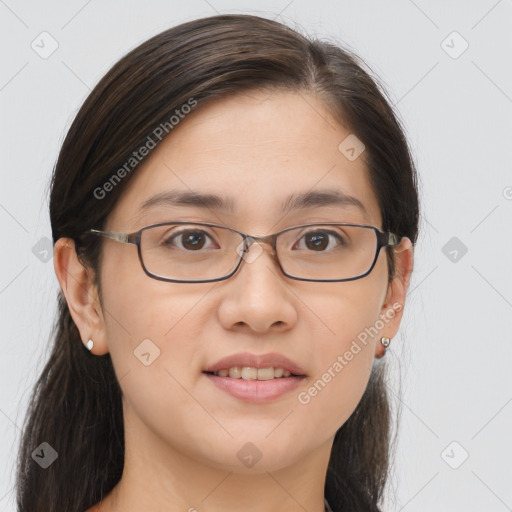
(250, 373)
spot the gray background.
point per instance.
(454, 345)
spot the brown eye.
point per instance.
(320, 241)
(193, 240)
(188, 240)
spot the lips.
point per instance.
(258, 361)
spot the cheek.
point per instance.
(342, 313)
(139, 307)
(344, 363)
(153, 329)
(344, 318)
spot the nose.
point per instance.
(257, 298)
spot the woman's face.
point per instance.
(255, 151)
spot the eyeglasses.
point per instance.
(203, 252)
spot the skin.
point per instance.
(182, 433)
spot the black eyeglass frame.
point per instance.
(383, 240)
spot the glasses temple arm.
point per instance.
(119, 237)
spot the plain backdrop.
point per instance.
(447, 68)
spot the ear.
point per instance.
(76, 282)
(393, 307)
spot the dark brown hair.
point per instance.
(76, 403)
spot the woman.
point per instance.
(234, 211)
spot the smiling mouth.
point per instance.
(251, 373)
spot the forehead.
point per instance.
(260, 153)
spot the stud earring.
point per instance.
(385, 341)
(89, 345)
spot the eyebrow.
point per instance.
(227, 204)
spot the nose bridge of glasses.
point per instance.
(265, 240)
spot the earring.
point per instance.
(385, 341)
(89, 344)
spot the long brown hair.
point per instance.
(76, 404)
